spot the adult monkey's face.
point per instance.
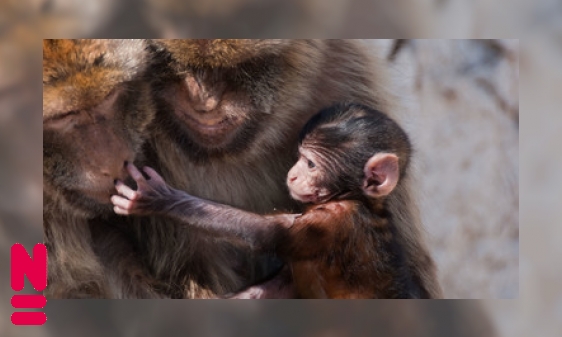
(217, 91)
(94, 118)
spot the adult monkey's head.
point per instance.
(95, 115)
(215, 93)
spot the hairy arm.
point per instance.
(154, 197)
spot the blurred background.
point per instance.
(461, 105)
(461, 109)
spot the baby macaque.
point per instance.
(351, 157)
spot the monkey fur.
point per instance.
(95, 116)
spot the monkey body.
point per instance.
(358, 258)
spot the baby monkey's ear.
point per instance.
(381, 175)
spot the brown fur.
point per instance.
(91, 94)
(286, 82)
(344, 249)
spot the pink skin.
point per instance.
(302, 177)
(128, 201)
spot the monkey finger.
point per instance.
(154, 176)
(121, 202)
(119, 210)
(126, 191)
(135, 173)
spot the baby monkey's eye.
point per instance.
(311, 164)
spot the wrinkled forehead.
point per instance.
(306, 151)
(317, 154)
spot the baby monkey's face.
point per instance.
(303, 178)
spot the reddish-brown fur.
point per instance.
(333, 256)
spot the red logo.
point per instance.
(36, 271)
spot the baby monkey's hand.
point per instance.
(152, 196)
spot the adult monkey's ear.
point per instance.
(381, 175)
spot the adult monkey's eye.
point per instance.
(311, 164)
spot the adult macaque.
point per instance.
(228, 118)
(95, 116)
(344, 245)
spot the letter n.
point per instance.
(35, 268)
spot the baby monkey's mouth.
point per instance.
(312, 198)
